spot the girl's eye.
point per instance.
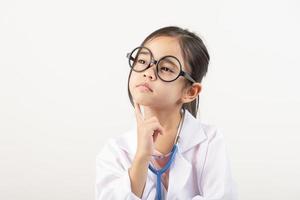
(166, 69)
(141, 61)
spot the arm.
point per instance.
(112, 176)
(138, 175)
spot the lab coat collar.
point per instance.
(192, 133)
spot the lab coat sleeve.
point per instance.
(112, 177)
(216, 182)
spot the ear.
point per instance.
(191, 93)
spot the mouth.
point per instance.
(145, 86)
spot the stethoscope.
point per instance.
(173, 152)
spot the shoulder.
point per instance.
(197, 125)
(197, 133)
(211, 131)
(215, 144)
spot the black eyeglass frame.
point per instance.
(156, 62)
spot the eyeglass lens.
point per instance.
(168, 68)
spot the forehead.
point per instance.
(163, 46)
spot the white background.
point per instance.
(63, 78)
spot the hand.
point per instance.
(147, 132)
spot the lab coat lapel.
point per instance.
(191, 134)
(179, 173)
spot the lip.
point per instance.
(145, 85)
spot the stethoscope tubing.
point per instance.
(159, 172)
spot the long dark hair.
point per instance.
(194, 54)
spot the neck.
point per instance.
(170, 120)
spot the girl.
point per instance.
(168, 153)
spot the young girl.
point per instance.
(168, 153)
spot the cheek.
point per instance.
(132, 81)
(175, 92)
(171, 93)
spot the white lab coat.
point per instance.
(200, 171)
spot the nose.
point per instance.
(150, 72)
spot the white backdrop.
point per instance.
(63, 76)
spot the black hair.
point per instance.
(194, 53)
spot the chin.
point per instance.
(144, 101)
(150, 102)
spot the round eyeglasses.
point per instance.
(168, 68)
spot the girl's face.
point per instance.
(164, 94)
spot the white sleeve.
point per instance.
(216, 182)
(112, 177)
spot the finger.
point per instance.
(156, 127)
(137, 111)
(148, 113)
(155, 134)
(152, 119)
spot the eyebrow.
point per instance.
(165, 59)
(170, 61)
(144, 52)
